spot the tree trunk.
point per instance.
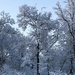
(1, 58)
(72, 57)
(71, 68)
(48, 68)
(74, 48)
(38, 70)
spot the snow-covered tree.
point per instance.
(5, 19)
(42, 24)
(66, 17)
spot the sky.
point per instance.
(12, 6)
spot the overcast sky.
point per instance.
(12, 6)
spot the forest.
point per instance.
(49, 47)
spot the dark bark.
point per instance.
(71, 68)
(2, 59)
(74, 49)
(48, 69)
(38, 72)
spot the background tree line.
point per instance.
(49, 49)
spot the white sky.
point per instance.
(12, 6)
